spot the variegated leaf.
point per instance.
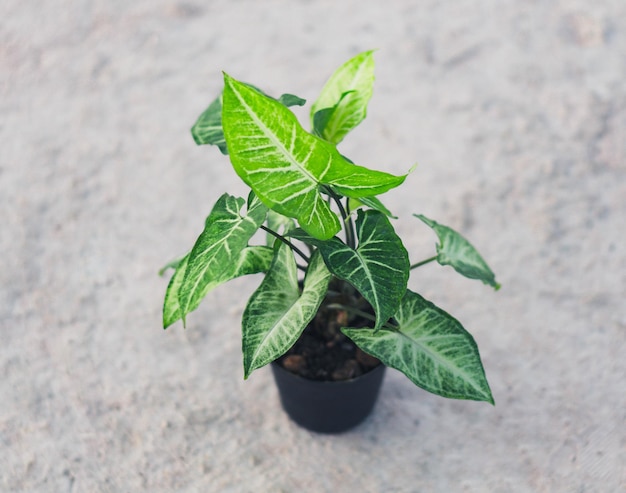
(252, 260)
(431, 348)
(226, 233)
(277, 313)
(454, 250)
(378, 268)
(208, 127)
(286, 166)
(342, 104)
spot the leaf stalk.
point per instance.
(423, 262)
(286, 242)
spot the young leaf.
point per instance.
(252, 260)
(378, 268)
(323, 117)
(347, 92)
(454, 250)
(286, 166)
(277, 313)
(225, 235)
(431, 348)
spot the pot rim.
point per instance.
(308, 381)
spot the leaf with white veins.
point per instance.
(252, 260)
(286, 166)
(454, 250)
(226, 233)
(208, 127)
(342, 104)
(277, 313)
(431, 348)
(378, 268)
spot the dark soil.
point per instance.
(323, 352)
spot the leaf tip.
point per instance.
(227, 78)
(196, 137)
(424, 219)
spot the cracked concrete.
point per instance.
(516, 114)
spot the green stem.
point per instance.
(423, 262)
(286, 242)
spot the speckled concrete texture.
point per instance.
(515, 112)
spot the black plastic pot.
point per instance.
(328, 407)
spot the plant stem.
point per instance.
(423, 262)
(350, 225)
(347, 220)
(286, 242)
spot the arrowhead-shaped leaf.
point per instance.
(342, 104)
(285, 165)
(431, 348)
(378, 268)
(208, 127)
(454, 250)
(252, 260)
(226, 233)
(277, 313)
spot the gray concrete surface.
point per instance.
(516, 114)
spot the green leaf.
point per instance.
(252, 260)
(286, 166)
(208, 126)
(323, 118)
(171, 307)
(347, 92)
(277, 313)
(291, 100)
(226, 233)
(378, 268)
(431, 348)
(454, 250)
(372, 203)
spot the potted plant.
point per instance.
(333, 309)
